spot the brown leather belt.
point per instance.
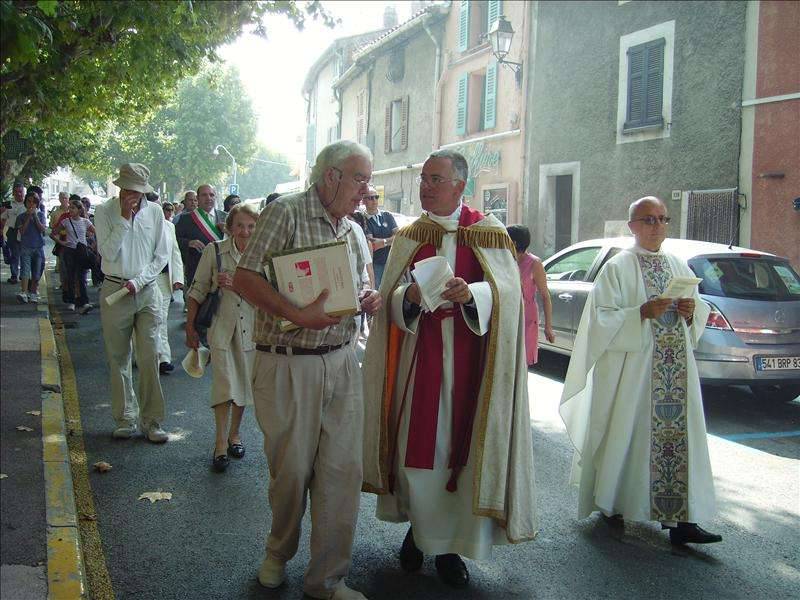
(294, 351)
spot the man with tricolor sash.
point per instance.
(447, 443)
(196, 229)
(631, 403)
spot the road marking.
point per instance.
(94, 560)
(740, 437)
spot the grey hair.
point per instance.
(645, 200)
(457, 159)
(333, 155)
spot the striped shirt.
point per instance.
(298, 221)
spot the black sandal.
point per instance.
(236, 450)
(220, 463)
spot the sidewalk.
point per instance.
(40, 547)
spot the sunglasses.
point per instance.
(651, 220)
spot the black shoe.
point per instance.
(165, 368)
(410, 556)
(691, 533)
(615, 522)
(220, 463)
(12, 280)
(452, 570)
(236, 450)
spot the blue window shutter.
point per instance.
(461, 105)
(490, 97)
(653, 114)
(494, 9)
(645, 85)
(311, 142)
(463, 25)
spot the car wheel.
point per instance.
(776, 393)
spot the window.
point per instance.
(747, 278)
(575, 266)
(338, 64)
(476, 100)
(333, 134)
(396, 126)
(644, 87)
(475, 17)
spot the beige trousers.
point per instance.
(134, 316)
(165, 287)
(311, 413)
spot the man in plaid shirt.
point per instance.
(307, 382)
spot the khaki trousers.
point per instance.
(134, 316)
(311, 413)
(165, 287)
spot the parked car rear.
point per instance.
(752, 335)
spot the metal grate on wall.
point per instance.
(713, 216)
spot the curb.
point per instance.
(66, 576)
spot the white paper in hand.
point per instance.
(431, 275)
(681, 287)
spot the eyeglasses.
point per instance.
(375, 197)
(433, 180)
(359, 179)
(651, 220)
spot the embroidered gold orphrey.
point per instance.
(669, 447)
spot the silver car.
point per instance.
(752, 335)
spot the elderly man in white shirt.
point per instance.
(132, 239)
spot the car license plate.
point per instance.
(777, 363)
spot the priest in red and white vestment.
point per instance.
(447, 442)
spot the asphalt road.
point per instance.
(208, 540)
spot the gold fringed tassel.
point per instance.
(423, 233)
(483, 237)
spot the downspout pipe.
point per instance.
(437, 87)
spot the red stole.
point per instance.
(468, 353)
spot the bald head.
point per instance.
(637, 206)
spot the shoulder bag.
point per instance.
(84, 257)
(207, 310)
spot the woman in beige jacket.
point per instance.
(230, 336)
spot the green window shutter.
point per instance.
(404, 124)
(494, 9)
(463, 25)
(387, 129)
(490, 97)
(461, 105)
(469, 189)
(645, 85)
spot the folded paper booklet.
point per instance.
(300, 275)
(681, 287)
(431, 275)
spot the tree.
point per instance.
(70, 66)
(176, 142)
(260, 178)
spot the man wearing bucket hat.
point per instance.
(132, 241)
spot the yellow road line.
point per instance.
(92, 567)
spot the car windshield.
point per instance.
(747, 278)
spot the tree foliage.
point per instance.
(176, 142)
(68, 67)
(259, 179)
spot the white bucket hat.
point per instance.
(194, 363)
(135, 177)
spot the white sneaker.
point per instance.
(71, 307)
(85, 308)
(124, 432)
(155, 434)
(22, 298)
(272, 573)
(345, 593)
(33, 298)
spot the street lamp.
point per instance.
(216, 153)
(501, 33)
